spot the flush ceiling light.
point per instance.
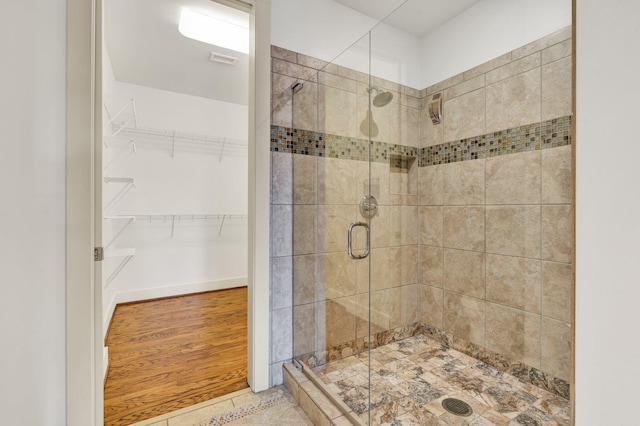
(212, 30)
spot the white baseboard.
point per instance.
(159, 292)
(105, 363)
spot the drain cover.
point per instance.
(457, 407)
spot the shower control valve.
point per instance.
(368, 206)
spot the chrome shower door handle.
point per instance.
(350, 239)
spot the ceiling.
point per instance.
(145, 48)
(416, 17)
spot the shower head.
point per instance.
(382, 97)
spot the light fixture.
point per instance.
(212, 30)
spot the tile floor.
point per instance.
(242, 408)
(410, 379)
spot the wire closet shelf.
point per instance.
(124, 125)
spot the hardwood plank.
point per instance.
(171, 353)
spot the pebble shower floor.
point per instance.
(411, 378)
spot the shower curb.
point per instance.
(315, 400)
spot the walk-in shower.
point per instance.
(458, 296)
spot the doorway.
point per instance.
(174, 184)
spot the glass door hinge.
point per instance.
(98, 254)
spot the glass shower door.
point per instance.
(334, 223)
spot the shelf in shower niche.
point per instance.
(403, 174)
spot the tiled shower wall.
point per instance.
(479, 250)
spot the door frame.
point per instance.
(84, 361)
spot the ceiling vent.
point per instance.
(223, 59)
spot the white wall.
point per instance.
(487, 30)
(323, 29)
(32, 212)
(330, 31)
(608, 208)
(193, 182)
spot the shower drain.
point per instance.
(457, 407)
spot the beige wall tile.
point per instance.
(513, 102)
(451, 81)
(557, 233)
(376, 184)
(430, 134)
(374, 307)
(337, 181)
(514, 179)
(378, 264)
(514, 281)
(404, 305)
(340, 321)
(379, 226)
(304, 218)
(281, 334)
(339, 112)
(431, 185)
(336, 275)
(557, 177)
(431, 225)
(556, 348)
(311, 62)
(514, 334)
(305, 106)
(557, 51)
(431, 267)
(304, 329)
(557, 286)
(464, 182)
(403, 225)
(282, 53)
(464, 228)
(281, 96)
(337, 82)
(305, 175)
(281, 282)
(466, 86)
(464, 272)
(403, 265)
(281, 178)
(514, 68)
(488, 66)
(352, 74)
(550, 40)
(305, 279)
(464, 317)
(464, 116)
(281, 230)
(514, 230)
(557, 80)
(292, 70)
(408, 305)
(332, 226)
(430, 302)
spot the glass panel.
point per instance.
(330, 164)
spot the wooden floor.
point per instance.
(171, 353)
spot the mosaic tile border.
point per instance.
(547, 134)
(517, 369)
(354, 347)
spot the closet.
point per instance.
(175, 173)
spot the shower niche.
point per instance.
(403, 174)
